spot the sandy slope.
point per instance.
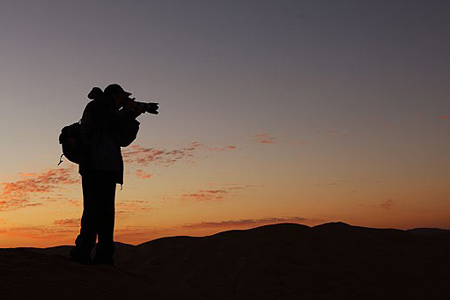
(282, 261)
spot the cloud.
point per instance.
(204, 195)
(75, 202)
(335, 183)
(220, 149)
(41, 233)
(75, 222)
(139, 155)
(54, 198)
(264, 138)
(388, 204)
(246, 222)
(160, 157)
(300, 143)
(143, 175)
(131, 206)
(34, 204)
(15, 194)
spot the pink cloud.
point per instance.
(388, 204)
(131, 206)
(264, 138)
(161, 157)
(220, 149)
(143, 175)
(53, 198)
(75, 202)
(139, 155)
(40, 233)
(75, 222)
(206, 195)
(15, 194)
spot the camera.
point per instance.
(150, 107)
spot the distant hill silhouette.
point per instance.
(280, 261)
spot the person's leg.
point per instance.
(85, 241)
(105, 215)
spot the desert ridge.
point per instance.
(279, 261)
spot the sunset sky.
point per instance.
(270, 111)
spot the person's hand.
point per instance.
(139, 109)
(129, 103)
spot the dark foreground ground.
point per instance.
(276, 262)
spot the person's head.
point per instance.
(116, 93)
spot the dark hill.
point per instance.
(281, 261)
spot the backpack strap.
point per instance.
(60, 159)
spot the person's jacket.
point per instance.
(105, 129)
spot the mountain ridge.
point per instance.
(276, 261)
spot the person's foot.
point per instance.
(80, 256)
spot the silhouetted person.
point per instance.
(108, 123)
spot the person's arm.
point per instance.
(122, 124)
(125, 124)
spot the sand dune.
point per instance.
(281, 261)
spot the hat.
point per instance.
(115, 88)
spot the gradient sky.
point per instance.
(271, 111)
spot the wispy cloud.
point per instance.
(388, 204)
(265, 138)
(219, 149)
(75, 222)
(143, 175)
(161, 157)
(75, 202)
(330, 184)
(15, 194)
(299, 143)
(143, 156)
(128, 207)
(41, 233)
(247, 222)
(204, 195)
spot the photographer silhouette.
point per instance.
(108, 123)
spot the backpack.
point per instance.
(70, 140)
